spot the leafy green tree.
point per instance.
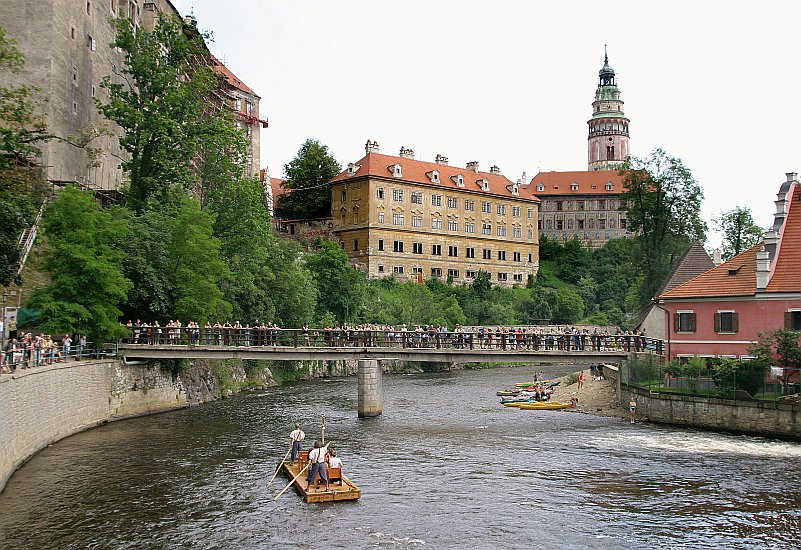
(733, 374)
(308, 176)
(83, 255)
(197, 265)
(167, 105)
(588, 289)
(569, 306)
(573, 261)
(341, 289)
(738, 229)
(779, 347)
(663, 205)
(292, 290)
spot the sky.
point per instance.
(511, 83)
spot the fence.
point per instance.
(27, 357)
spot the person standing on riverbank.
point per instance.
(633, 409)
(580, 380)
(296, 440)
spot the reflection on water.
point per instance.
(443, 467)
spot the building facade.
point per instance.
(66, 44)
(397, 216)
(586, 205)
(721, 312)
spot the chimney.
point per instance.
(190, 20)
(762, 269)
(717, 257)
(406, 153)
(371, 147)
(443, 160)
(473, 165)
(495, 170)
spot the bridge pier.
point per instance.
(370, 388)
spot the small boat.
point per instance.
(504, 393)
(339, 486)
(544, 406)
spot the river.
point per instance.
(444, 467)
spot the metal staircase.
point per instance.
(28, 237)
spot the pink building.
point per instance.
(720, 312)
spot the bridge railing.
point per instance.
(336, 338)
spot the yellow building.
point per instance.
(419, 220)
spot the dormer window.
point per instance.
(516, 190)
(484, 184)
(540, 187)
(352, 169)
(609, 186)
(433, 176)
(458, 179)
(396, 170)
(574, 186)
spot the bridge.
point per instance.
(368, 347)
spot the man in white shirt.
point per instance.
(296, 440)
(317, 458)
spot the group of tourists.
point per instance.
(320, 457)
(29, 351)
(563, 338)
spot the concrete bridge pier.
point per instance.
(370, 388)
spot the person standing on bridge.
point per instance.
(296, 440)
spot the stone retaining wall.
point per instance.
(42, 405)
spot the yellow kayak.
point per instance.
(517, 403)
(544, 406)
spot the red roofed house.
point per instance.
(413, 219)
(586, 205)
(720, 312)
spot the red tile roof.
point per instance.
(417, 171)
(786, 276)
(277, 185)
(589, 183)
(230, 77)
(736, 277)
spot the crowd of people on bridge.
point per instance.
(557, 338)
(27, 351)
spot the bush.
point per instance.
(732, 374)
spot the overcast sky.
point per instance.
(511, 83)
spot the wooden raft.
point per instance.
(339, 486)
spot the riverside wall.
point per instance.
(45, 404)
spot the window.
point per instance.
(72, 33)
(486, 254)
(380, 217)
(453, 273)
(397, 269)
(417, 221)
(453, 251)
(530, 234)
(417, 270)
(486, 229)
(579, 224)
(342, 196)
(517, 232)
(470, 274)
(453, 202)
(574, 186)
(539, 225)
(75, 76)
(684, 321)
(416, 197)
(436, 250)
(381, 244)
(417, 248)
(397, 195)
(469, 227)
(608, 187)
(516, 211)
(559, 206)
(397, 219)
(355, 245)
(579, 205)
(436, 223)
(486, 207)
(501, 254)
(560, 224)
(469, 252)
(74, 107)
(501, 209)
(88, 8)
(516, 256)
(726, 321)
(502, 276)
(397, 246)
(530, 258)
(381, 269)
(518, 277)
(379, 193)
(91, 43)
(602, 224)
(469, 205)
(623, 223)
(453, 225)
(530, 213)
(501, 230)
(436, 200)
(436, 272)
(792, 319)
(601, 204)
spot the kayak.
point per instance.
(541, 383)
(544, 406)
(507, 392)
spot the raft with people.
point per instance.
(339, 487)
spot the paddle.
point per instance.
(291, 482)
(322, 429)
(278, 468)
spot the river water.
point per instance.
(445, 466)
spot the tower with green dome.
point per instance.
(608, 141)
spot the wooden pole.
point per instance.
(293, 481)
(277, 468)
(322, 430)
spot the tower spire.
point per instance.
(608, 141)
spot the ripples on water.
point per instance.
(444, 467)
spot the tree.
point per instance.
(738, 229)
(83, 255)
(569, 306)
(308, 176)
(169, 108)
(663, 204)
(779, 347)
(341, 289)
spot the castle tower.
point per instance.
(608, 141)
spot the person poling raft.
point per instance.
(323, 480)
